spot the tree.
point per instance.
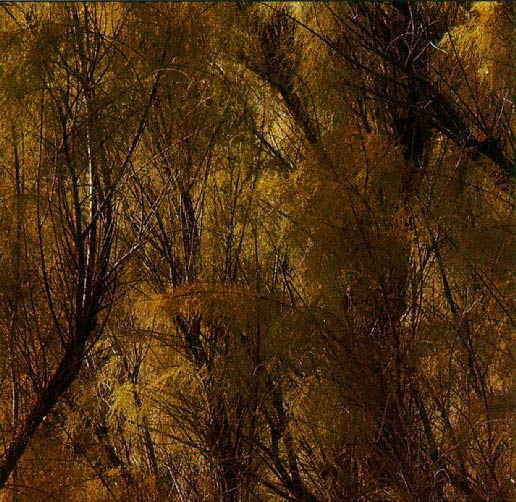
(76, 220)
(256, 252)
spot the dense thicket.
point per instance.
(256, 252)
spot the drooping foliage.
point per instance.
(256, 251)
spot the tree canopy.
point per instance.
(256, 251)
